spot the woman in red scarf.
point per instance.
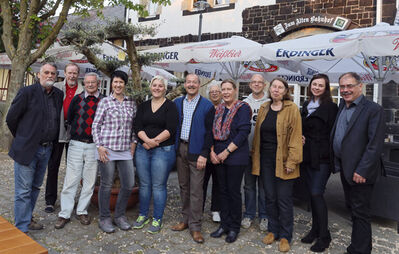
(230, 154)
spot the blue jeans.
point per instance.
(279, 201)
(316, 180)
(250, 192)
(153, 167)
(28, 180)
(126, 176)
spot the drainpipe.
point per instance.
(379, 12)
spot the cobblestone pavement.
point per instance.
(76, 238)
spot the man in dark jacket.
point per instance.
(33, 120)
(357, 139)
(193, 139)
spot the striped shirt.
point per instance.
(113, 124)
(188, 111)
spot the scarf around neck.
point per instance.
(221, 129)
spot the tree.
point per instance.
(18, 29)
(86, 38)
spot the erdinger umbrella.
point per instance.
(214, 56)
(374, 49)
(240, 71)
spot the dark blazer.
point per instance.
(317, 128)
(25, 120)
(362, 143)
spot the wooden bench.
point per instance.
(13, 240)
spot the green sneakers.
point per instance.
(155, 227)
(140, 222)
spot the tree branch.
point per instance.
(134, 63)
(51, 12)
(56, 29)
(6, 15)
(23, 10)
(92, 58)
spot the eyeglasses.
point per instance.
(214, 92)
(349, 86)
(90, 82)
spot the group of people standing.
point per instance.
(264, 138)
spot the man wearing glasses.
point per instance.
(357, 139)
(81, 161)
(253, 194)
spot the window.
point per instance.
(152, 9)
(4, 81)
(222, 2)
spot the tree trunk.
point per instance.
(18, 70)
(134, 63)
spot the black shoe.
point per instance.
(310, 237)
(219, 232)
(49, 209)
(231, 237)
(321, 244)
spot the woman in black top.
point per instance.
(155, 125)
(318, 116)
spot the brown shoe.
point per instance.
(197, 236)
(284, 245)
(35, 225)
(60, 223)
(180, 226)
(84, 219)
(268, 239)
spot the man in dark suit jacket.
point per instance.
(357, 140)
(33, 119)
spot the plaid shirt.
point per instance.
(113, 124)
(188, 111)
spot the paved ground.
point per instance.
(75, 238)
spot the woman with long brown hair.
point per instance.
(318, 116)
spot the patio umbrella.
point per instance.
(378, 46)
(214, 55)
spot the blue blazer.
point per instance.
(363, 142)
(200, 139)
(25, 120)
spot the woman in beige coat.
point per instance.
(276, 155)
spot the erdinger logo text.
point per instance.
(299, 53)
(168, 55)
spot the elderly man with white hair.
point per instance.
(81, 161)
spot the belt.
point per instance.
(46, 143)
(85, 140)
(183, 141)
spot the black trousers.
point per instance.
(52, 172)
(359, 196)
(210, 170)
(230, 178)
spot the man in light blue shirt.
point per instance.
(194, 139)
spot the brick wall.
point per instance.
(259, 20)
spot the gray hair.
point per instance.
(212, 84)
(93, 74)
(49, 63)
(160, 78)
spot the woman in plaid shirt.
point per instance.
(116, 142)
